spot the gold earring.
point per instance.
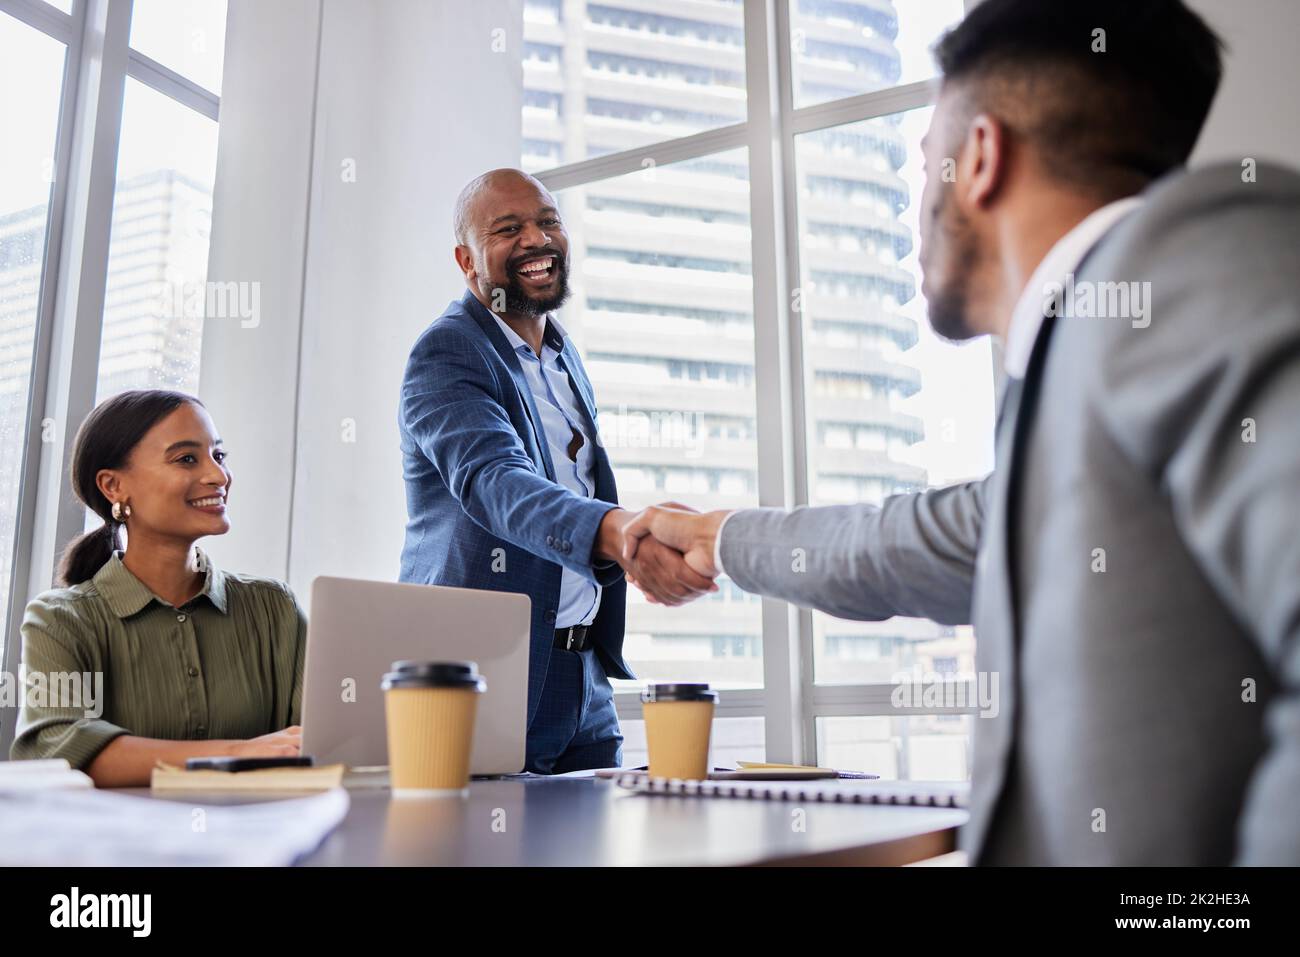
(121, 512)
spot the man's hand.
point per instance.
(691, 533)
(659, 571)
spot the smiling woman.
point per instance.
(194, 661)
(144, 445)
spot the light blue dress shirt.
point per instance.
(561, 415)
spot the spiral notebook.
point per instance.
(950, 794)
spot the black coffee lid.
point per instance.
(678, 691)
(434, 674)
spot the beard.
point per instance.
(519, 300)
(952, 264)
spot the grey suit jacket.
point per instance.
(1149, 712)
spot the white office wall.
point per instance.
(353, 224)
(413, 101)
(248, 376)
(1255, 113)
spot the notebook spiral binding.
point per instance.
(889, 792)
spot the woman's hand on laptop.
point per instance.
(277, 744)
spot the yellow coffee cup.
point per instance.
(678, 724)
(430, 708)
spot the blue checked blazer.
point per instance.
(479, 479)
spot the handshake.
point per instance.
(666, 550)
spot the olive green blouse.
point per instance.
(227, 664)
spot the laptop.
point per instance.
(357, 629)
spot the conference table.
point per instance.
(533, 820)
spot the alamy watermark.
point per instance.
(75, 909)
(933, 689)
(639, 429)
(1086, 299)
(43, 690)
(178, 299)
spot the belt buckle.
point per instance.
(572, 637)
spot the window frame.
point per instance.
(72, 287)
(790, 700)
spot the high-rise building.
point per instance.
(661, 293)
(153, 304)
(152, 320)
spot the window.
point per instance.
(158, 256)
(661, 312)
(139, 217)
(843, 48)
(157, 297)
(908, 748)
(601, 79)
(899, 410)
(187, 36)
(638, 121)
(32, 62)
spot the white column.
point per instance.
(249, 372)
(336, 192)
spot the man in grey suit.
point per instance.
(1132, 567)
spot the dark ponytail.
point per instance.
(105, 441)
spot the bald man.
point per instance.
(507, 485)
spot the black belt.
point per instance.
(572, 639)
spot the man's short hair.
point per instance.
(1111, 93)
(460, 214)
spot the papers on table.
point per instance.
(41, 776)
(101, 828)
